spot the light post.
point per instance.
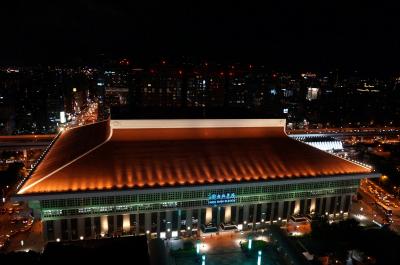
(250, 243)
(198, 247)
(259, 258)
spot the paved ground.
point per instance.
(223, 250)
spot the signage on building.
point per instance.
(224, 198)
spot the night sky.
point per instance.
(300, 34)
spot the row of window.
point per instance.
(200, 194)
(96, 210)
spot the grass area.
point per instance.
(256, 245)
(187, 250)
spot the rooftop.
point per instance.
(132, 154)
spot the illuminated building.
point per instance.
(167, 177)
(116, 87)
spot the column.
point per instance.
(227, 216)
(342, 201)
(137, 223)
(189, 219)
(92, 230)
(312, 205)
(297, 207)
(44, 231)
(158, 224)
(254, 216)
(115, 224)
(328, 204)
(246, 213)
(104, 224)
(179, 222)
(208, 215)
(237, 215)
(126, 223)
(69, 229)
(81, 227)
(147, 222)
(168, 216)
(218, 216)
(198, 218)
(57, 229)
(280, 210)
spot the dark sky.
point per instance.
(302, 33)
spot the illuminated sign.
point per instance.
(218, 199)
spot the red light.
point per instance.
(230, 73)
(222, 73)
(163, 62)
(180, 72)
(152, 71)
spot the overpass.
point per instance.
(345, 132)
(23, 142)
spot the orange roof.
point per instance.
(93, 157)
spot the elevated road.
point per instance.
(20, 142)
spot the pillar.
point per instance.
(312, 205)
(69, 229)
(218, 216)
(228, 214)
(208, 215)
(246, 213)
(280, 210)
(57, 229)
(137, 223)
(147, 222)
(189, 218)
(115, 224)
(296, 207)
(44, 231)
(81, 227)
(104, 224)
(92, 230)
(126, 223)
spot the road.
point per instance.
(23, 232)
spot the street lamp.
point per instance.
(250, 243)
(198, 247)
(259, 258)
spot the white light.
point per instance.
(250, 244)
(279, 218)
(198, 248)
(168, 230)
(162, 235)
(240, 227)
(259, 258)
(22, 243)
(4, 199)
(62, 117)
(147, 232)
(188, 228)
(81, 237)
(174, 233)
(58, 240)
(262, 220)
(203, 260)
